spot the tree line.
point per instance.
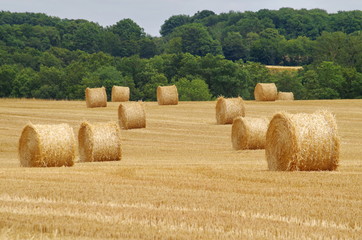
(206, 55)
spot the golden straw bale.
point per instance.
(249, 133)
(131, 115)
(285, 96)
(304, 142)
(99, 142)
(120, 94)
(167, 95)
(96, 97)
(47, 146)
(265, 92)
(229, 108)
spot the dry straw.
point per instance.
(120, 94)
(229, 108)
(304, 142)
(131, 115)
(285, 96)
(278, 69)
(265, 92)
(96, 97)
(167, 95)
(99, 142)
(47, 146)
(249, 133)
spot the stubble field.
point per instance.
(179, 179)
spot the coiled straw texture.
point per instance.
(265, 92)
(47, 146)
(285, 96)
(167, 95)
(304, 142)
(120, 94)
(96, 97)
(99, 142)
(131, 115)
(249, 133)
(229, 108)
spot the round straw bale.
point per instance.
(99, 142)
(96, 97)
(47, 146)
(120, 94)
(229, 108)
(304, 142)
(131, 115)
(249, 133)
(285, 96)
(167, 95)
(265, 92)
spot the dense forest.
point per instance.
(206, 55)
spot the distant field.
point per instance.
(179, 179)
(277, 69)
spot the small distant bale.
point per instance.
(302, 142)
(99, 142)
(120, 94)
(265, 92)
(47, 146)
(229, 108)
(167, 95)
(96, 97)
(249, 133)
(285, 96)
(132, 115)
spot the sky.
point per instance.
(151, 14)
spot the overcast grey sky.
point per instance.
(151, 14)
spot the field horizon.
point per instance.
(179, 178)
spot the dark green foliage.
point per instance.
(206, 55)
(173, 22)
(193, 90)
(195, 39)
(7, 77)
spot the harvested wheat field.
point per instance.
(179, 178)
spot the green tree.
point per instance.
(223, 77)
(346, 21)
(233, 46)
(298, 51)
(269, 48)
(289, 82)
(324, 81)
(25, 81)
(49, 60)
(108, 76)
(129, 33)
(52, 82)
(174, 45)
(173, 22)
(194, 90)
(87, 37)
(352, 87)
(150, 88)
(7, 76)
(148, 48)
(330, 75)
(254, 73)
(309, 79)
(329, 46)
(196, 40)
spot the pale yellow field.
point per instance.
(179, 179)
